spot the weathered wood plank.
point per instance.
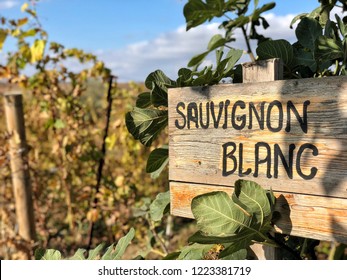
(290, 136)
(317, 141)
(322, 218)
(262, 71)
(19, 165)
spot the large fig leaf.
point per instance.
(254, 197)
(276, 49)
(237, 221)
(146, 124)
(217, 215)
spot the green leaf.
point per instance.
(51, 255)
(254, 198)
(144, 100)
(342, 26)
(95, 253)
(194, 252)
(79, 255)
(159, 95)
(185, 73)
(233, 57)
(172, 256)
(307, 32)
(328, 49)
(3, 35)
(123, 243)
(159, 206)
(296, 18)
(39, 253)
(197, 59)
(59, 124)
(234, 239)
(157, 161)
(216, 42)
(256, 14)
(306, 58)
(204, 79)
(237, 222)
(238, 22)
(276, 49)
(238, 255)
(184, 76)
(159, 78)
(197, 12)
(217, 215)
(146, 124)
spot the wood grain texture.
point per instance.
(314, 208)
(196, 153)
(316, 217)
(262, 71)
(19, 165)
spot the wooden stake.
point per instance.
(19, 165)
(263, 71)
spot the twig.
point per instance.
(285, 247)
(249, 49)
(102, 159)
(157, 237)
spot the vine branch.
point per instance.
(102, 158)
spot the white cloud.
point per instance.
(171, 51)
(8, 4)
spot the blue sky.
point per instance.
(135, 37)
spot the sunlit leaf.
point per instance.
(216, 42)
(37, 50)
(79, 255)
(24, 7)
(123, 243)
(96, 252)
(22, 21)
(217, 215)
(255, 198)
(51, 255)
(197, 59)
(237, 221)
(328, 49)
(232, 57)
(3, 35)
(194, 252)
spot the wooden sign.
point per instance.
(290, 136)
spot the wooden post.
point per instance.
(19, 165)
(263, 71)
